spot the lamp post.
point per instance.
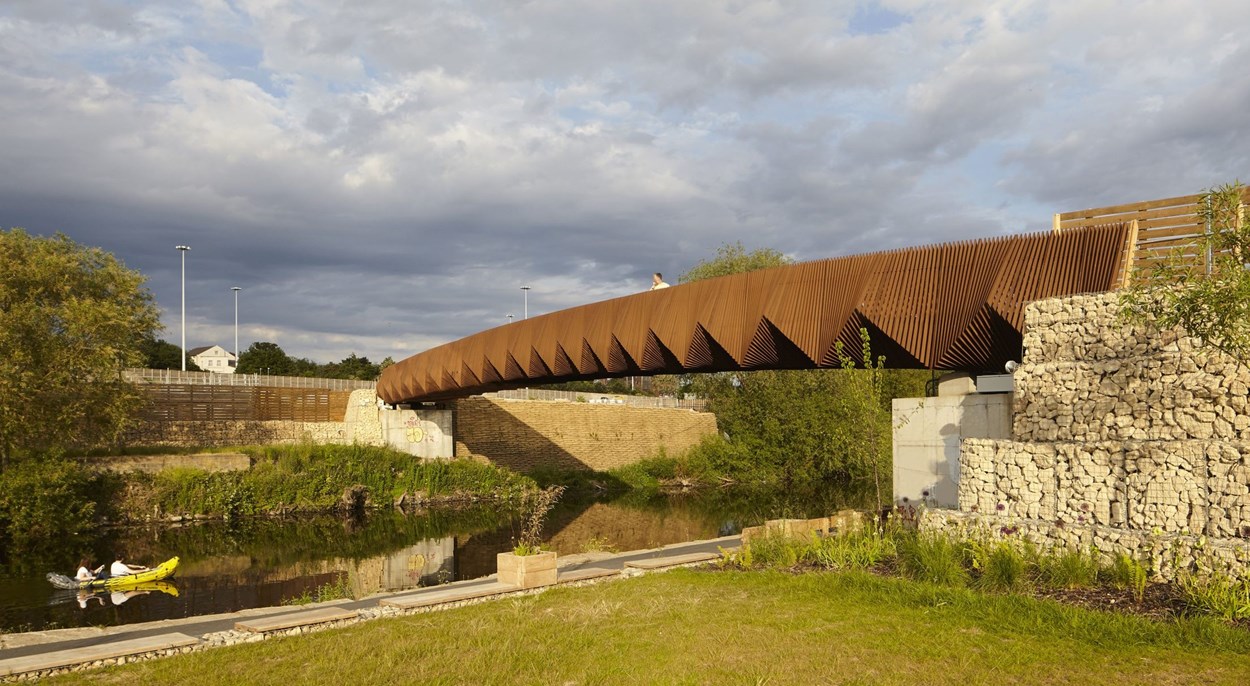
(183, 249)
(236, 290)
(526, 291)
(509, 319)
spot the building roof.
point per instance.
(205, 348)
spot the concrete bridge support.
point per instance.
(425, 433)
(929, 431)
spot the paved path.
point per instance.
(118, 636)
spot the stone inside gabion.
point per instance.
(1119, 427)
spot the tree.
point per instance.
(1212, 305)
(352, 367)
(71, 318)
(733, 258)
(263, 357)
(159, 354)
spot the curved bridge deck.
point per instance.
(954, 306)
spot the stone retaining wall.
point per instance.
(518, 434)
(522, 434)
(230, 433)
(361, 424)
(1129, 438)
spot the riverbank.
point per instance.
(58, 498)
(693, 626)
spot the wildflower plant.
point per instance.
(534, 509)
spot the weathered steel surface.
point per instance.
(946, 307)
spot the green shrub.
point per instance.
(46, 498)
(316, 476)
(195, 491)
(932, 557)
(1128, 572)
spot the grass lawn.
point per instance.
(702, 627)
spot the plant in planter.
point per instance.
(528, 566)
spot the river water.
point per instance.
(263, 562)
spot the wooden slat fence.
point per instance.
(195, 402)
(1165, 228)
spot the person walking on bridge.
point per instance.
(657, 281)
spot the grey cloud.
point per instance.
(381, 176)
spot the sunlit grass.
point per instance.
(734, 627)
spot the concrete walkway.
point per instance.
(66, 647)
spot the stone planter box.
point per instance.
(527, 571)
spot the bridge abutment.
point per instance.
(928, 433)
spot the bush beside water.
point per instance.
(47, 499)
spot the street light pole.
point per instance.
(183, 249)
(526, 291)
(236, 290)
(509, 319)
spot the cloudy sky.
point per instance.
(381, 176)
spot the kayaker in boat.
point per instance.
(120, 568)
(85, 573)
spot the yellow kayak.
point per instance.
(164, 570)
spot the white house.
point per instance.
(213, 358)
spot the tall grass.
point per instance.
(860, 549)
(1004, 569)
(932, 557)
(1068, 568)
(1219, 595)
(314, 477)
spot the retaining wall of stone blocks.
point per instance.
(522, 434)
(1122, 436)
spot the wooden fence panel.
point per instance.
(1166, 228)
(196, 402)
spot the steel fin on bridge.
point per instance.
(619, 360)
(589, 364)
(655, 356)
(563, 364)
(769, 349)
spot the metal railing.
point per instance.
(172, 376)
(698, 404)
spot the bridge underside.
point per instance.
(946, 307)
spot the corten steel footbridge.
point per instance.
(955, 306)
